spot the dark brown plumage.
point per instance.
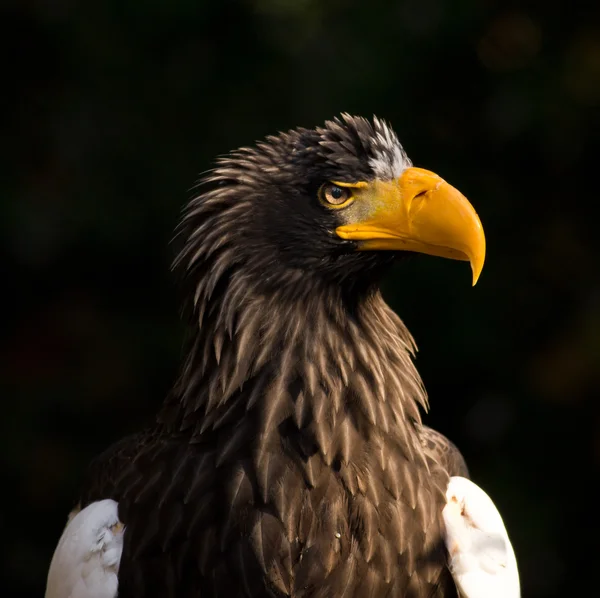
(289, 459)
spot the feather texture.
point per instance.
(482, 558)
(86, 561)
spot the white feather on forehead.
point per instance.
(389, 159)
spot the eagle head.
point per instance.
(330, 206)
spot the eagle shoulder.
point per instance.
(86, 561)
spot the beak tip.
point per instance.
(476, 268)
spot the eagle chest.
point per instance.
(327, 530)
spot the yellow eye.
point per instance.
(334, 195)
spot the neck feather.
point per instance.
(306, 361)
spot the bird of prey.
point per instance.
(289, 459)
(481, 557)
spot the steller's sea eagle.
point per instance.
(290, 458)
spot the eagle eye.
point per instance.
(334, 195)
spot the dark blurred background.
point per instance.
(110, 111)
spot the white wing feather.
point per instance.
(86, 561)
(481, 557)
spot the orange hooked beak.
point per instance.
(419, 211)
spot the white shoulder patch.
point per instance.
(481, 557)
(389, 160)
(86, 560)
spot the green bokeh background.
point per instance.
(109, 112)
